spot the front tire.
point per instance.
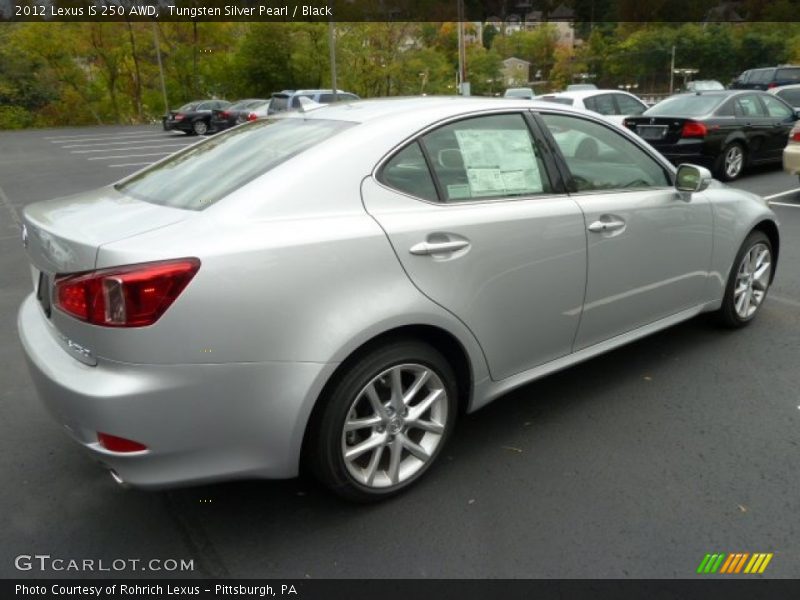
(748, 281)
(731, 162)
(384, 422)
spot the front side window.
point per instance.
(602, 159)
(486, 157)
(204, 173)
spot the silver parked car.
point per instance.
(353, 277)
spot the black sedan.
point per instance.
(723, 130)
(193, 118)
(238, 112)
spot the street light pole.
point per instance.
(672, 70)
(160, 68)
(332, 49)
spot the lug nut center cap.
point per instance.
(395, 425)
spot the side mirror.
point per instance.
(692, 178)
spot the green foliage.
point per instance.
(84, 73)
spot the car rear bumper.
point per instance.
(200, 422)
(221, 124)
(791, 159)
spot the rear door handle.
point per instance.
(600, 226)
(427, 248)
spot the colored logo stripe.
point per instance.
(735, 563)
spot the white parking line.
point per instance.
(129, 148)
(109, 136)
(128, 156)
(130, 165)
(137, 141)
(784, 204)
(786, 193)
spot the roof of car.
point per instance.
(580, 94)
(421, 109)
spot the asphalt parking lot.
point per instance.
(635, 464)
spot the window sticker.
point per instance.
(499, 162)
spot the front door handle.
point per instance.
(600, 226)
(427, 248)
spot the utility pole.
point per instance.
(160, 68)
(332, 49)
(672, 70)
(463, 87)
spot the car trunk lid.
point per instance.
(64, 235)
(657, 130)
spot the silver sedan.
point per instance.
(333, 288)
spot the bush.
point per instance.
(15, 117)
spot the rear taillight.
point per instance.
(693, 129)
(130, 296)
(794, 134)
(118, 444)
(224, 114)
(179, 117)
(772, 85)
(252, 117)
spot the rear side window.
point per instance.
(748, 106)
(776, 108)
(279, 103)
(603, 104)
(204, 173)
(408, 172)
(788, 74)
(486, 157)
(629, 106)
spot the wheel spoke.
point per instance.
(372, 467)
(416, 386)
(431, 426)
(375, 400)
(418, 410)
(740, 302)
(414, 448)
(368, 444)
(396, 453)
(356, 424)
(397, 390)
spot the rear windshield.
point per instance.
(201, 175)
(791, 96)
(558, 99)
(279, 103)
(685, 106)
(788, 74)
(188, 107)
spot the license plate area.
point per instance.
(652, 132)
(44, 293)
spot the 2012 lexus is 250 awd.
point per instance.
(332, 288)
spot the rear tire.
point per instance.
(200, 127)
(384, 422)
(731, 162)
(748, 281)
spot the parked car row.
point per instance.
(200, 117)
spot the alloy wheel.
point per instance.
(734, 161)
(394, 425)
(752, 280)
